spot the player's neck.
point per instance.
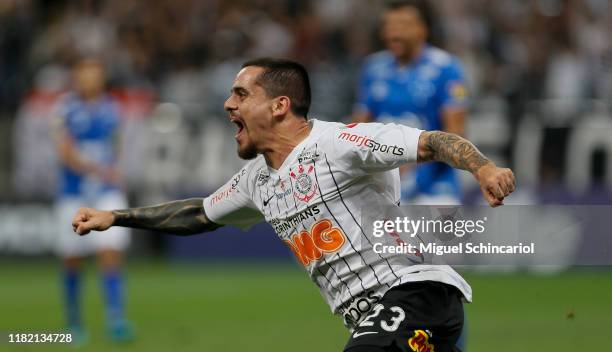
(284, 139)
(411, 56)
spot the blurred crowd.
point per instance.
(188, 51)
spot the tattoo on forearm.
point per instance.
(181, 217)
(453, 150)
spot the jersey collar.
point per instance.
(315, 126)
(418, 60)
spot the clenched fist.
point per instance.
(496, 183)
(88, 219)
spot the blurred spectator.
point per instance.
(17, 22)
(546, 42)
(35, 166)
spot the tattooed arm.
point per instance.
(181, 217)
(496, 183)
(451, 149)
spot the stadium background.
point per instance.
(540, 79)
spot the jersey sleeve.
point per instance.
(375, 147)
(453, 90)
(232, 204)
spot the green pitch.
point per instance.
(275, 307)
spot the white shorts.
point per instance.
(70, 244)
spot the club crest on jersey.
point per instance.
(420, 342)
(305, 187)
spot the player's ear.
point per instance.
(281, 106)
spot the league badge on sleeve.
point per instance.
(458, 91)
(262, 177)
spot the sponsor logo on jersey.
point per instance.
(307, 155)
(358, 334)
(305, 187)
(364, 141)
(357, 308)
(420, 342)
(323, 237)
(219, 196)
(282, 226)
(226, 192)
(284, 192)
(267, 201)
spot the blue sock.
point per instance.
(113, 288)
(72, 285)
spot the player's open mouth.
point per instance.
(238, 123)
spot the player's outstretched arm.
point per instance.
(180, 217)
(496, 183)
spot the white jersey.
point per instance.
(314, 202)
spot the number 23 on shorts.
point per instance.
(393, 323)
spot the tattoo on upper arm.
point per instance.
(181, 217)
(453, 150)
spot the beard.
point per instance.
(248, 152)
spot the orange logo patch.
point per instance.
(420, 342)
(322, 238)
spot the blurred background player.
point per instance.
(87, 136)
(419, 85)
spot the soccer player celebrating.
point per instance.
(309, 179)
(418, 85)
(86, 134)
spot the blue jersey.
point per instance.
(93, 127)
(415, 95)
